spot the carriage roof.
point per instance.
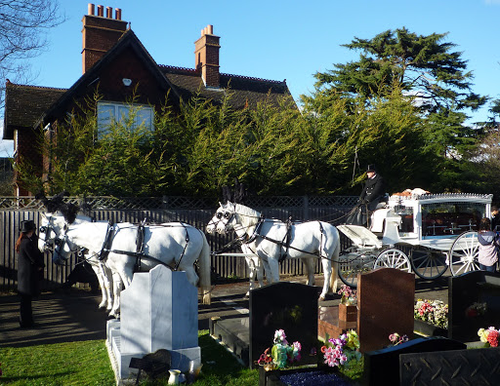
(442, 197)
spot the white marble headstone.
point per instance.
(159, 310)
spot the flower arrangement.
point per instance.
(338, 352)
(476, 309)
(432, 311)
(396, 339)
(281, 354)
(489, 336)
(348, 295)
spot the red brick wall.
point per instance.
(99, 35)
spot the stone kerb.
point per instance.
(158, 311)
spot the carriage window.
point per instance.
(451, 218)
(406, 214)
(109, 113)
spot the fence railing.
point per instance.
(196, 212)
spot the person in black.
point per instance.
(495, 219)
(30, 271)
(373, 190)
(372, 194)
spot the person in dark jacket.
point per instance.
(372, 194)
(373, 190)
(30, 271)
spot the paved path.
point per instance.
(74, 315)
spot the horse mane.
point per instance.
(248, 213)
(68, 210)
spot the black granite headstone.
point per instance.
(474, 303)
(458, 367)
(289, 306)
(382, 366)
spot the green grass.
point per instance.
(87, 363)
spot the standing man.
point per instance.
(30, 271)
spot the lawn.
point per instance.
(87, 363)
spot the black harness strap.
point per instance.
(287, 239)
(108, 240)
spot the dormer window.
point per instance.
(109, 113)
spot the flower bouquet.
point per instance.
(338, 352)
(348, 295)
(434, 312)
(489, 336)
(281, 354)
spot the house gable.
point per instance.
(127, 61)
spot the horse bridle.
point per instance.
(54, 245)
(48, 242)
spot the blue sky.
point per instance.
(277, 39)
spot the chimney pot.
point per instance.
(118, 13)
(210, 28)
(109, 12)
(100, 10)
(91, 9)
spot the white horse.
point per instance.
(270, 240)
(103, 273)
(176, 245)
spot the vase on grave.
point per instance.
(348, 312)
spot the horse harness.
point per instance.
(285, 243)
(139, 252)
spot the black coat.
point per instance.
(30, 262)
(373, 191)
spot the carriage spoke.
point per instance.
(393, 258)
(428, 264)
(352, 264)
(463, 254)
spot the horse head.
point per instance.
(222, 221)
(50, 235)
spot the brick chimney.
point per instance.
(207, 56)
(100, 33)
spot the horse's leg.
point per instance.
(117, 288)
(101, 278)
(335, 264)
(251, 273)
(272, 268)
(190, 274)
(309, 263)
(327, 272)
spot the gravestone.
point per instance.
(382, 367)
(456, 367)
(474, 303)
(292, 307)
(159, 310)
(385, 306)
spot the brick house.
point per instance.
(117, 65)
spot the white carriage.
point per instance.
(424, 234)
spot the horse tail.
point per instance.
(205, 271)
(335, 261)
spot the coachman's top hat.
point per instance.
(371, 168)
(27, 225)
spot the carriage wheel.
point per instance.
(428, 264)
(351, 264)
(463, 254)
(393, 258)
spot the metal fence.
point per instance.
(196, 212)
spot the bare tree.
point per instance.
(23, 33)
